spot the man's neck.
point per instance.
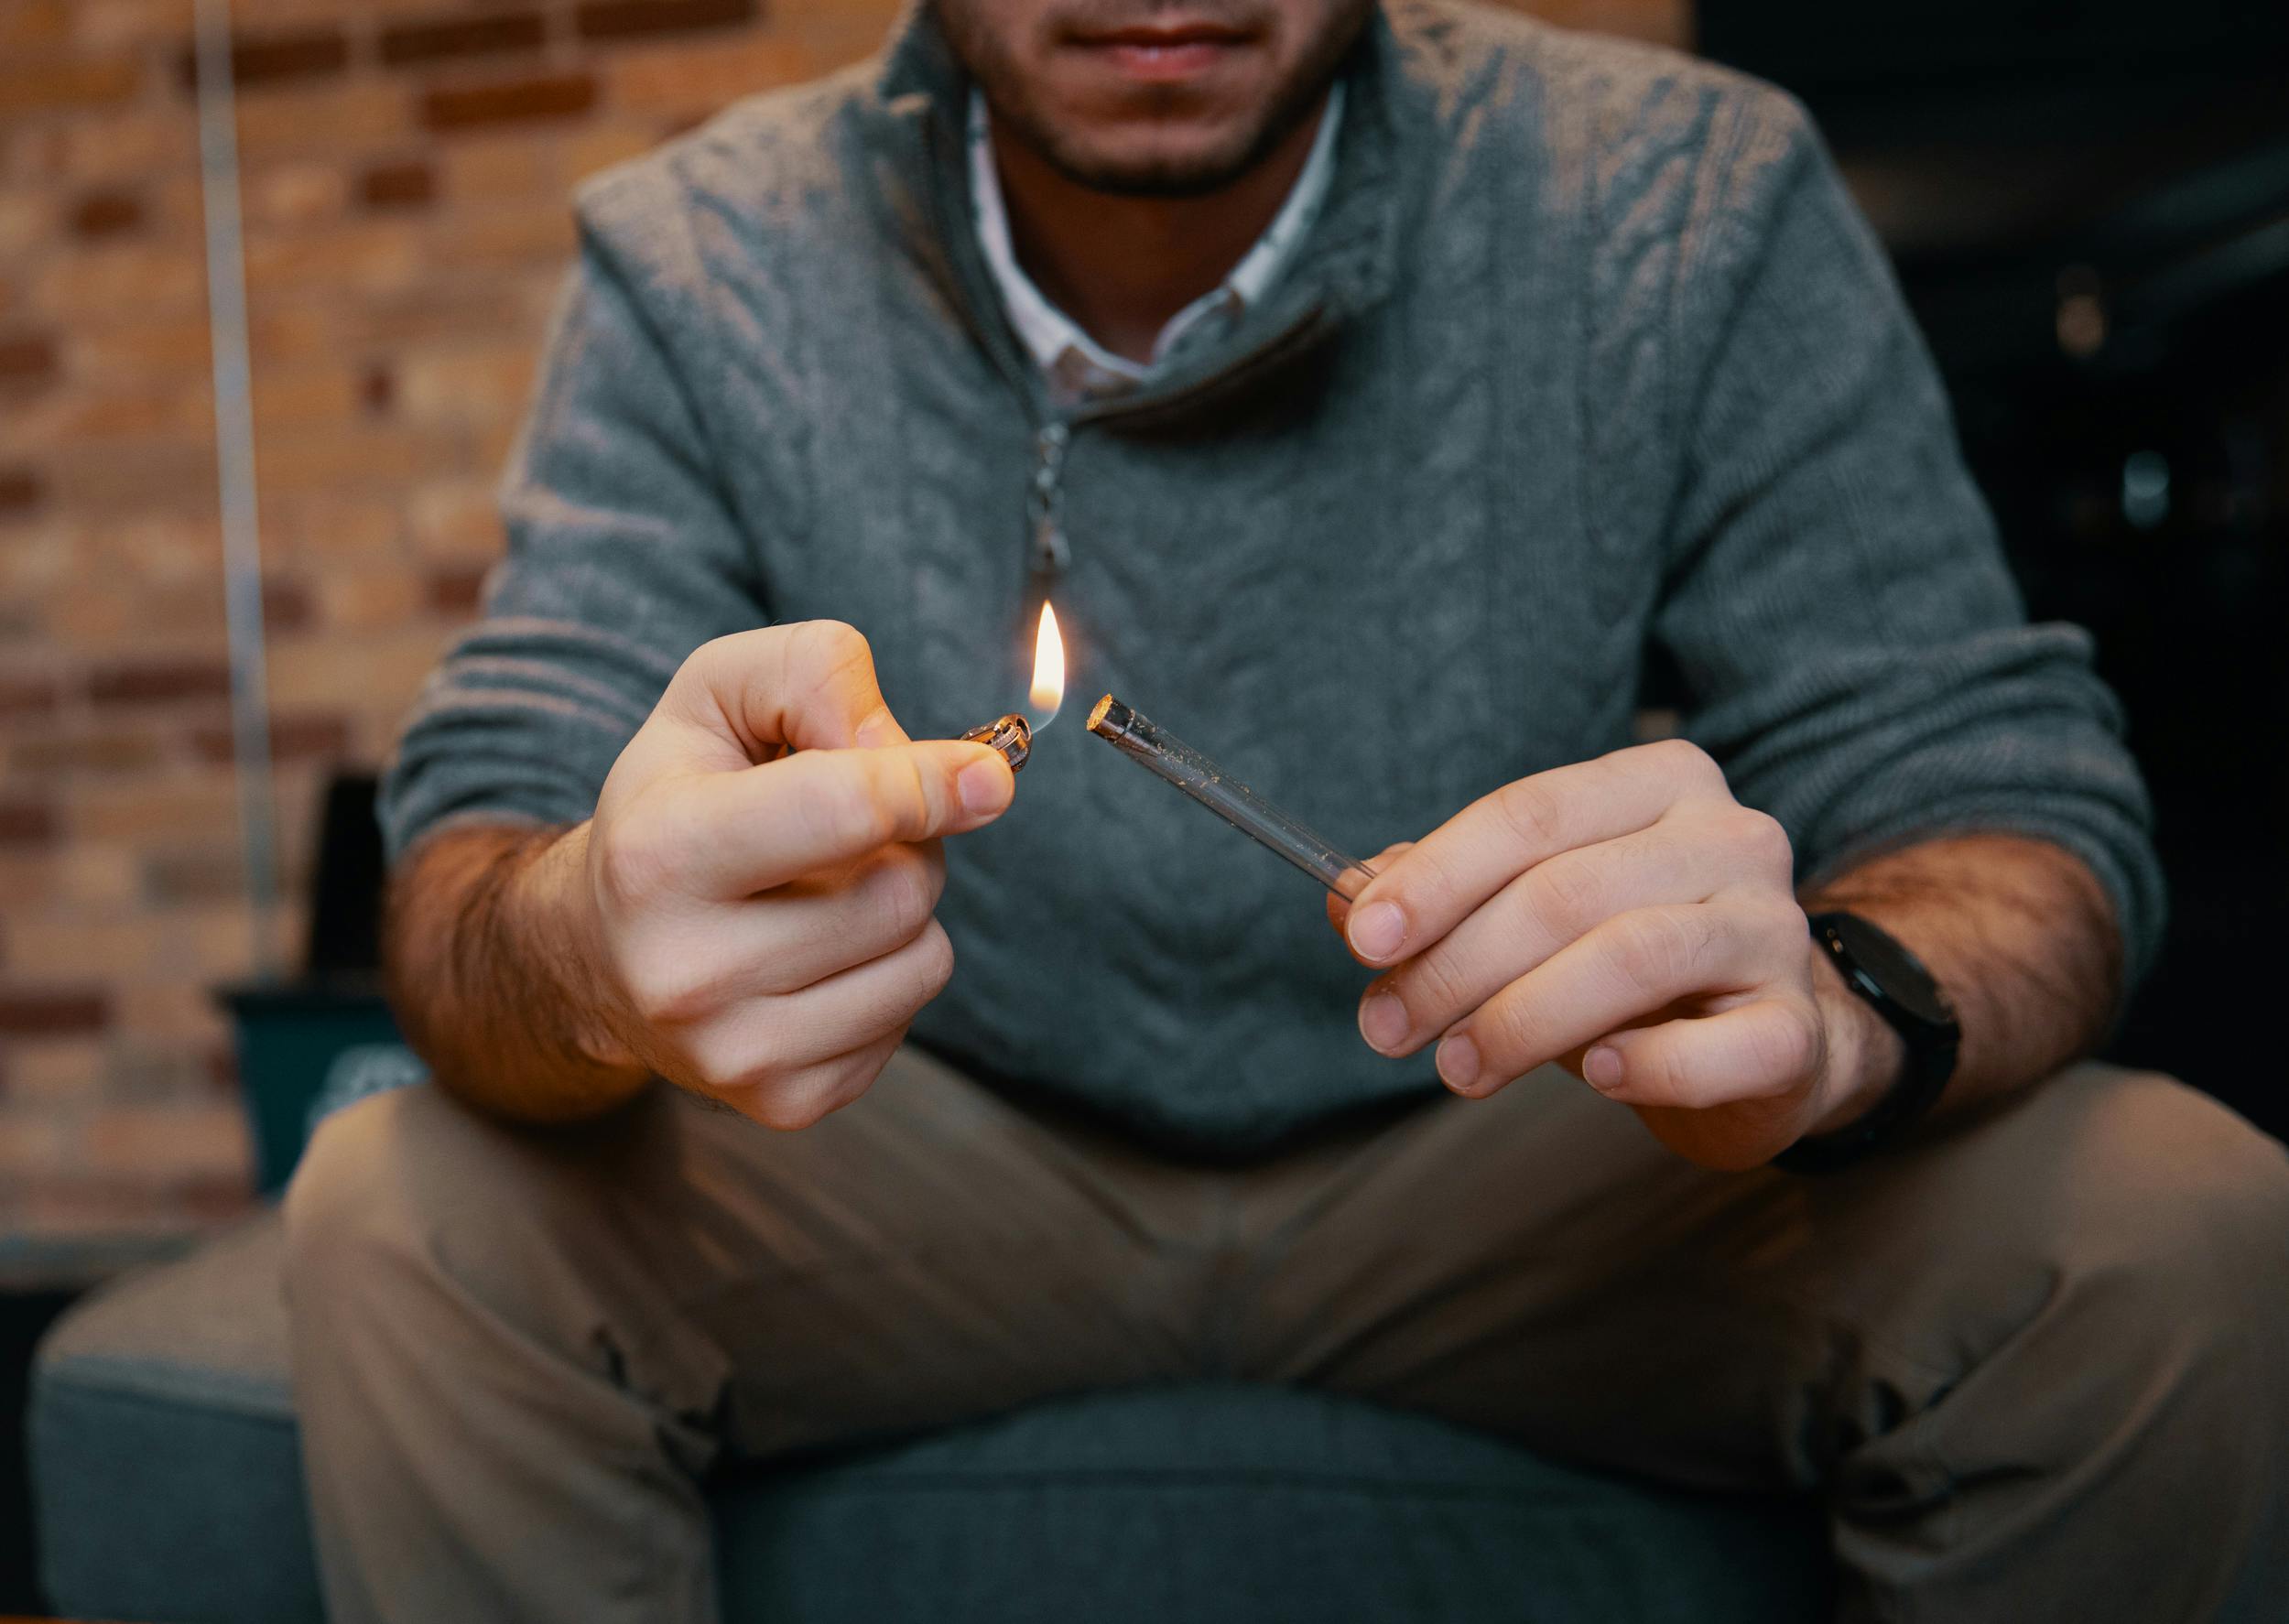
(1122, 267)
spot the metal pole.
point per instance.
(234, 465)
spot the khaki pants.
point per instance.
(2039, 1364)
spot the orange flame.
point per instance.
(1048, 669)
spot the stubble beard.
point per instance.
(1017, 114)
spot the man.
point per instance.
(1375, 392)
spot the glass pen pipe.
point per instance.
(1150, 746)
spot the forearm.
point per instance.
(493, 979)
(2018, 932)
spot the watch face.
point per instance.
(1896, 972)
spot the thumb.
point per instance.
(819, 808)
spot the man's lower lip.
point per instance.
(1159, 63)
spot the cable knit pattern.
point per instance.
(1586, 354)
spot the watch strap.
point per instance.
(1931, 1048)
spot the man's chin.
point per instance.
(1157, 165)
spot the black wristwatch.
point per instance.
(1912, 1003)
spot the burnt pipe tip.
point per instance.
(1109, 716)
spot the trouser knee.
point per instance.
(407, 1196)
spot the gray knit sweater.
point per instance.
(1588, 355)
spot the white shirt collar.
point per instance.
(1049, 335)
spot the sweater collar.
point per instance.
(1061, 346)
(1343, 267)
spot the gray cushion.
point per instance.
(166, 1472)
(168, 1482)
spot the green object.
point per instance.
(289, 1036)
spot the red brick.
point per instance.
(624, 20)
(135, 280)
(102, 214)
(21, 492)
(48, 87)
(509, 101)
(258, 60)
(286, 605)
(683, 81)
(438, 39)
(115, 752)
(308, 736)
(27, 823)
(454, 591)
(197, 875)
(159, 682)
(26, 694)
(35, 22)
(398, 186)
(170, 1142)
(378, 390)
(402, 283)
(53, 1012)
(27, 359)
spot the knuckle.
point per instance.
(665, 996)
(1765, 843)
(1682, 763)
(1658, 948)
(847, 808)
(1795, 1046)
(787, 1110)
(1503, 1029)
(1683, 760)
(716, 1064)
(1674, 1077)
(1530, 813)
(1783, 922)
(1780, 1049)
(832, 644)
(631, 865)
(1565, 897)
(935, 956)
(1418, 884)
(910, 806)
(826, 1088)
(1432, 989)
(907, 888)
(820, 656)
(715, 655)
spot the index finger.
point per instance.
(806, 686)
(760, 826)
(1339, 906)
(1450, 872)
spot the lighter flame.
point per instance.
(1048, 669)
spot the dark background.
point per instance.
(2089, 208)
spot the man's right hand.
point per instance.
(753, 896)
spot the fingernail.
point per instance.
(985, 786)
(879, 730)
(1377, 930)
(1382, 1022)
(1603, 1069)
(1459, 1061)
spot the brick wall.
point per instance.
(405, 165)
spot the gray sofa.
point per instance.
(167, 1488)
(167, 1482)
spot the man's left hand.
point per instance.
(1629, 919)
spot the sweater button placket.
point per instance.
(1049, 553)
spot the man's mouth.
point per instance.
(1165, 51)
